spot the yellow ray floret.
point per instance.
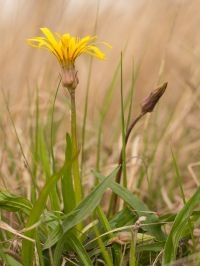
(67, 48)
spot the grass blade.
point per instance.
(180, 224)
(67, 181)
(103, 111)
(46, 165)
(72, 242)
(103, 250)
(27, 247)
(38, 208)
(140, 208)
(87, 206)
(14, 203)
(123, 126)
(84, 209)
(52, 110)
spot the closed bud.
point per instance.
(150, 101)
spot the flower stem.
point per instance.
(75, 166)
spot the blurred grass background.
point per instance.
(159, 39)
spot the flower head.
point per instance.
(67, 48)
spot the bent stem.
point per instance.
(147, 106)
(114, 199)
(120, 160)
(75, 165)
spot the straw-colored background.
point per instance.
(161, 38)
(153, 31)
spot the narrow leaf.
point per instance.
(72, 242)
(67, 181)
(179, 226)
(14, 203)
(87, 206)
(84, 209)
(27, 246)
(152, 222)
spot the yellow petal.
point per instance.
(49, 36)
(67, 48)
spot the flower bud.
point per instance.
(150, 101)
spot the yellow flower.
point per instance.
(67, 48)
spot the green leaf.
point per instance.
(10, 261)
(151, 247)
(72, 242)
(152, 221)
(14, 203)
(84, 209)
(67, 180)
(180, 225)
(46, 165)
(38, 208)
(53, 237)
(87, 206)
(107, 227)
(123, 217)
(105, 254)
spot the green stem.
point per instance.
(75, 166)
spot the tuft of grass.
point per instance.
(50, 235)
(42, 226)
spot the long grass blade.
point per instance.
(67, 181)
(74, 244)
(38, 208)
(152, 222)
(87, 206)
(83, 210)
(181, 223)
(103, 111)
(28, 247)
(14, 203)
(123, 127)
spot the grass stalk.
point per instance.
(38, 208)
(178, 175)
(35, 149)
(123, 163)
(104, 252)
(103, 112)
(85, 114)
(51, 126)
(67, 181)
(87, 96)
